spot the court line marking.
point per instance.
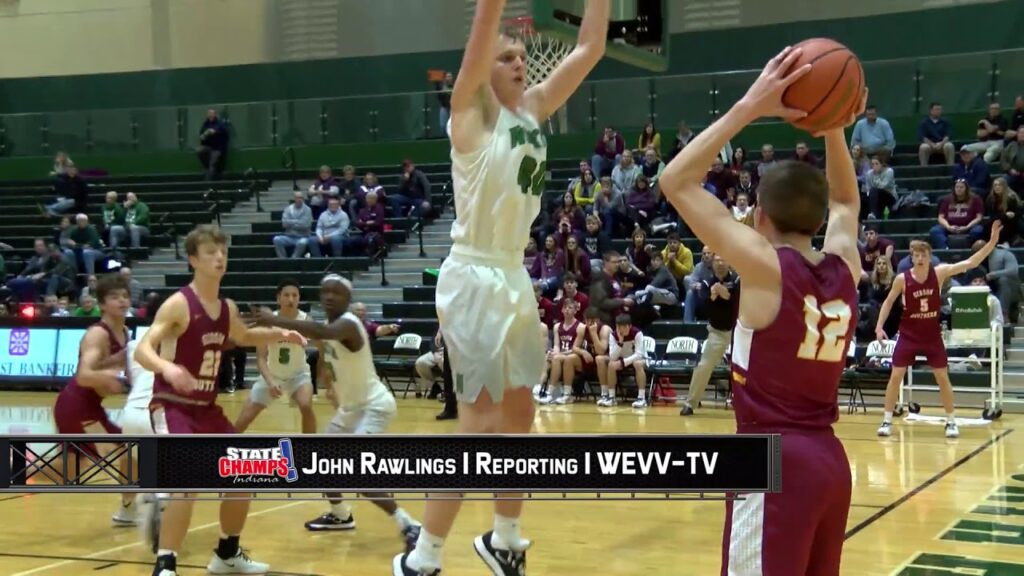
(924, 485)
(90, 557)
(113, 562)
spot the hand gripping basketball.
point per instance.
(764, 98)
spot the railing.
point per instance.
(901, 87)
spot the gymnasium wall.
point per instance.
(96, 54)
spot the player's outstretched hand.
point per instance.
(181, 379)
(293, 337)
(258, 316)
(851, 119)
(764, 98)
(881, 335)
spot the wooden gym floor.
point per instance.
(922, 505)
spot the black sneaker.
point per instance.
(501, 562)
(329, 521)
(398, 568)
(410, 534)
(686, 410)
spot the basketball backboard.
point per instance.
(638, 34)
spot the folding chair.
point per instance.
(867, 371)
(401, 361)
(680, 357)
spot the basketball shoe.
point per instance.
(330, 521)
(501, 562)
(240, 563)
(126, 515)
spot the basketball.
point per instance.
(830, 92)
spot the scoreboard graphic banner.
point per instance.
(407, 464)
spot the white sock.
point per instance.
(427, 554)
(641, 394)
(506, 532)
(950, 417)
(163, 552)
(887, 417)
(342, 510)
(403, 519)
(604, 393)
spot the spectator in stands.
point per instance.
(530, 252)
(60, 163)
(663, 290)
(991, 131)
(693, 281)
(84, 244)
(641, 203)
(1004, 205)
(549, 266)
(72, 193)
(413, 195)
(213, 145)
(54, 307)
(577, 262)
(610, 205)
(584, 189)
(625, 173)
(370, 184)
(638, 254)
(570, 211)
(742, 211)
(135, 289)
(974, 170)
(90, 286)
(608, 152)
(879, 283)
(571, 290)
(565, 230)
(745, 185)
(677, 257)
(35, 277)
(371, 223)
(297, 222)
(739, 160)
(545, 307)
(324, 187)
(861, 162)
(803, 154)
(723, 180)
(649, 138)
(331, 230)
(1004, 276)
(374, 329)
(348, 190)
(906, 263)
(873, 135)
(444, 100)
(136, 222)
(719, 304)
(62, 235)
(873, 248)
(881, 184)
(767, 162)
(652, 167)
(150, 305)
(86, 308)
(426, 364)
(113, 215)
(606, 292)
(1012, 162)
(959, 213)
(595, 241)
(683, 137)
(935, 136)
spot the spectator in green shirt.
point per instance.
(84, 243)
(113, 216)
(136, 222)
(86, 307)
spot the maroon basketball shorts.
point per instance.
(933, 349)
(799, 531)
(75, 415)
(177, 418)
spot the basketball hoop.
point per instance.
(543, 53)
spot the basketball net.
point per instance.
(543, 54)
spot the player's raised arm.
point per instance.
(475, 71)
(898, 284)
(342, 329)
(548, 96)
(844, 198)
(945, 271)
(170, 322)
(91, 373)
(243, 335)
(744, 248)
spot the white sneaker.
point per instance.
(126, 515)
(885, 430)
(238, 564)
(549, 399)
(565, 399)
(602, 401)
(640, 403)
(166, 572)
(952, 430)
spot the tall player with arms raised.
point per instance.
(183, 349)
(920, 331)
(796, 319)
(485, 301)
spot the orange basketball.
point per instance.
(831, 91)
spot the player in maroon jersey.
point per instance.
(796, 318)
(920, 333)
(183, 349)
(625, 351)
(564, 360)
(101, 358)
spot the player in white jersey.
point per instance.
(485, 300)
(283, 369)
(365, 405)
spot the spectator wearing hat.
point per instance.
(973, 170)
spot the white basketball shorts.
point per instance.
(260, 393)
(488, 314)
